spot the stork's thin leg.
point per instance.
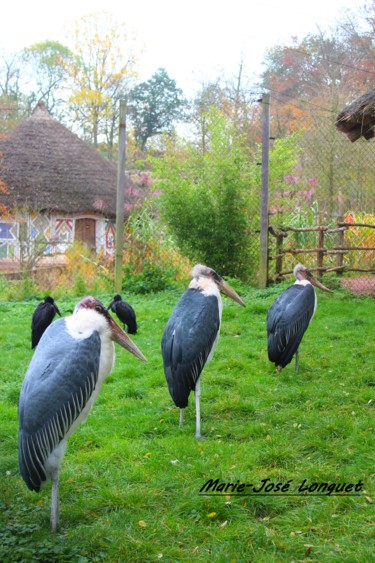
(181, 417)
(55, 513)
(297, 360)
(198, 409)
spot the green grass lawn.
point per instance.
(130, 480)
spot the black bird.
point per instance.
(42, 318)
(290, 315)
(61, 384)
(191, 335)
(125, 313)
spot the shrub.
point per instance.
(151, 279)
(84, 272)
(14, 290)
(205, 198)
(151, 259)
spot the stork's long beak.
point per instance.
(110, 305)
(57, 309)
(229, 291)
(120, 336)
(317, 283)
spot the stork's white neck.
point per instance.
(302, 282)
(84, 321)
(205, 285)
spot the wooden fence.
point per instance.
(321, 252)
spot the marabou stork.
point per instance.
(73, 358)
(125, 313)
(191, 335)
(42, 318)
(290, 315)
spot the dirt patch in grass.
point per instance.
(361, 286)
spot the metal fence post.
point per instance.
(120, 198)
(263, 262)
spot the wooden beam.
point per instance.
(356, 225)
(305, 229)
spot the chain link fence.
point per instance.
(321, 204)
(321, 197)
(323, 213)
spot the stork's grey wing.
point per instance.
(287, 320)
(187, 342)
(58, 383)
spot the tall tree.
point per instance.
(102, 74)
(154, 106)
(13, 104)
(356, 31)
(235, 99)
(310, 81)
(324, 69)
(46, 73)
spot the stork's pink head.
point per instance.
(90, 302)
(303, 273)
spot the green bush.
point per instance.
(152, 279)
(11, 290)
(205, 198)
(210, 195)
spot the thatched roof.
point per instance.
(46, 167)
(358, 118)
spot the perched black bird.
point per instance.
(42, 318)
(191, 335)
(125, 313)
(62, 382)
(290, 315)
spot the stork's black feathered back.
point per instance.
(187, 342)
(287, 320)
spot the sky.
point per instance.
(194, 41)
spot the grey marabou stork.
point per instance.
(42, 317)
(66, 372)
(290, 315)
(191, 335)
(125, 313)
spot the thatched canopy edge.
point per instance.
(357, 119)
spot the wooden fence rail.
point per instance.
(340, 249)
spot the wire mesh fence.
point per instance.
(330, 193)
(319, 183)
(316, 178)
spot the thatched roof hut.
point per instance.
(358, 118)
(47, 168)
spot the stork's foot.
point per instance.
(54, 521)
(279, 368)
(200, 436)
